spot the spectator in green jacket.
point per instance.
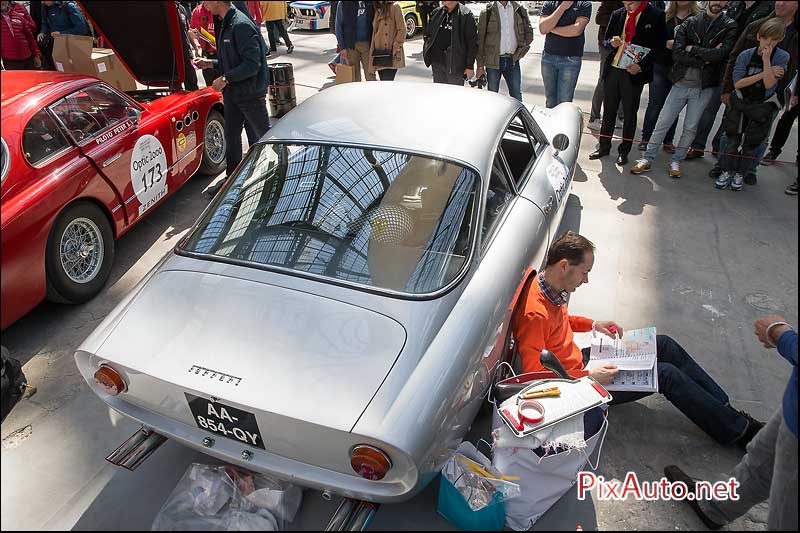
(505, 35)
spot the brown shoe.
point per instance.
(642, 165)
(694, 154)
(674, 170)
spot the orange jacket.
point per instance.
(538, 324)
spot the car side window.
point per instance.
(42, 138)
(87, 112)
(498, 196)
(519, 147)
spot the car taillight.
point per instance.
(369, 463)
(110, 380)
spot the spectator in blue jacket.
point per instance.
(354, 35)
(769, 469)
(62, 17)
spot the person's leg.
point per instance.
(631, 95)
(707, 120)
(234, 121)
(669, 138)
(550, 76)
(189, 73)
(513, 77)
(783, 490)
(21, 64)
(354, 59)
(284, 35)
(273, 45)
(493, 79)
(363, 51)
(456, 78)
(611, 103)
(659, 90)
(697, 101)
(568, 74)
(597, 95)
(782, 130)
(387, 74)
(439, 73)
(754, 473)
(671, 108)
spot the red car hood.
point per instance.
(146, 36)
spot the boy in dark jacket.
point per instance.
(451, 44)
(754, 104)
(640, 24)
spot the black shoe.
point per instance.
(597, 154)
(753, 427)
(214, 189)
(750, 179)
(769, 158)
(669, 148)
(714, 173)
(673, 473)
(268, 54)
(694, 153)
(622, 159)
(290, 49)
(643, 146)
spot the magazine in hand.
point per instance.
(632, 55)
(634, 356)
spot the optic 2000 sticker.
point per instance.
(148, 172)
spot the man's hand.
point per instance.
(605, 326)
(40, 37)
(616, 41)
(219, 84)
(775, 333)
(670, 44)
(55, 33)
(725, 98)
(480, 72)
(203, 63)
(194, 33)
(689, 49)
(469, 73)
(604, 374)
(634, 69)
(343, 55)
(778, 72)
(37, 62)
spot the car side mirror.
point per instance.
(134, 115)
(560, 143)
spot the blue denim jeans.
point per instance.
(560, 76)
(689, 388)
(729, 162)
(695, 101)
(659, 90)
(510, 70)
(707, 120)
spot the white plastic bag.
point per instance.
(226, 498)
(478, 490)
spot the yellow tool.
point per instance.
(475, 467)
(208, 36)
(541, 393)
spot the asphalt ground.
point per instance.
(697, 263)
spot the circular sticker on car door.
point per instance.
(148, 171)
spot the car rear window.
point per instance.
(382, 219)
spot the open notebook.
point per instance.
(634, 355)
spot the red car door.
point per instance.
(131, 146)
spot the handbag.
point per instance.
(382, 58)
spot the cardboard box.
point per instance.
(74, 53)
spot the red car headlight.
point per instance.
(369, 462)
(110, 380)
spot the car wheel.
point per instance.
(411, 25)
(213, 145)
(79, 255)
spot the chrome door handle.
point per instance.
(549, 207)
(111, 160)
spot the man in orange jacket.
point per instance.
(542, 321)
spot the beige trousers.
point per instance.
(360, 55)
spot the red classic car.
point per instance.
(83, 162)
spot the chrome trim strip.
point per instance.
(111, 159)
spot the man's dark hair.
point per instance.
(570, 246)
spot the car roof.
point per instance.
(23, 90)
(453, 122)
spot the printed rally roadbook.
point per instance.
(634, 356)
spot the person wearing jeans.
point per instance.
(769, 469)
(702, 43)
(450, 43)
(563, 24)
(505, 35)
(542, 321)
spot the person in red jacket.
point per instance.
(18, 46)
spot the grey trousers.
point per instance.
(440, 75)
(768, 470)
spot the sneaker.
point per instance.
(669, 148)
(723, 180)
(737, 183)
(675, 170)
(642, 165)
(753, 427)
(673, 474)
(714, 172)
(595, 124)
(769, 158)
(791, 190)
(290, 49)
(643, 146)
(694, 153)
(750, 179)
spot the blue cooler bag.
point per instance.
(455, 509)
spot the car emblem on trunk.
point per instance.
(213, 374)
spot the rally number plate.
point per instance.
(225, 420)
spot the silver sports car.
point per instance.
(339, 310)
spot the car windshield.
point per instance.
(383, 219)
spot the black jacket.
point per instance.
(348, 12)
(711, 45)
(743, 16)
(241, 57)
(464, 40)
(651, 32)
(603, 15)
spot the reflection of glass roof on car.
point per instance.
(384, 219)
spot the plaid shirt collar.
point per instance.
(556, 298)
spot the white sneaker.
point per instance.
(723, 180)
(674, 170)
(595, 124)
(737, 184)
